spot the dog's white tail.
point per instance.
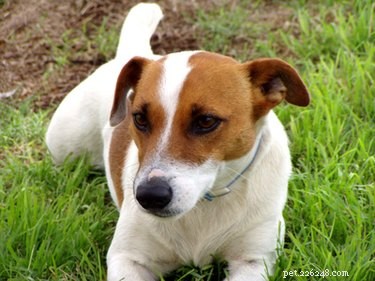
(137, 30)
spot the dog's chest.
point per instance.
(198, 237)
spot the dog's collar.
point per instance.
(210, 195)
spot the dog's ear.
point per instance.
(274, 80)
(128, 79)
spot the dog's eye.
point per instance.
(205, 124)
(141, 122)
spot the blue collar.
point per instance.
(210, 195)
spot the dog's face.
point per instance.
(192, 112)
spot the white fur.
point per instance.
(175, 71)
(137, 30)
(243, 226)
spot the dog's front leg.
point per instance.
(120, 268)
(247, 271)
(129, 257)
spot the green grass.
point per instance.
(89, 43)
(57, 223)
(53, 221)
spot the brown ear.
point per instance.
(276, 80)
(128, 78)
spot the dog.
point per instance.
(196, 160)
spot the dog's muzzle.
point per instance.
(154, 195)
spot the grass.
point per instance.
(51, 219)
(77, 45)
(57, 223)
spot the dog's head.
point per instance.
(192, 112)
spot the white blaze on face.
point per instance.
(175, 71)
(189, 182)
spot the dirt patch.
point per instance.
(30, 29)
(34, 32)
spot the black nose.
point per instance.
(154, 194)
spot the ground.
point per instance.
(33, 33)
(48, 47)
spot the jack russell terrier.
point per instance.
(196, 161)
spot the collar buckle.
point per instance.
(209, 196)
(212, 194)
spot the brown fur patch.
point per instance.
(117, 153)
(217, 87)
(128, 78)
(272, 81)
(146, 99)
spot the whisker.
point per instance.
(231, 174)
(135, 165)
